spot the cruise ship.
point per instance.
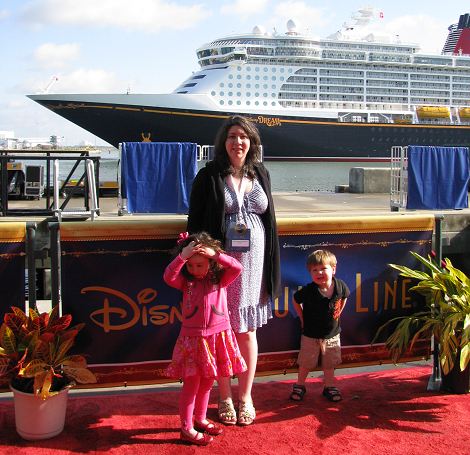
(348, 97)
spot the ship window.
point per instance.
(239, 102)
(256, 103)
(213, 93)
(230, 102)
(265, 86)
(221, 84)
(230, 93)
(238, 76)
(282, 70)
(200, 76)
(192, 84)
(256, 95)
(239, 68)
(239, 85)
(248, 68)
(248, 94)
(265, 95)
(248, 85)
(248, 77)
(274, 70)
(265, 78)
(273, 78)
(265, 103)
(221, 101)
(239, 94)
(221, 93)
(257, 78)
(248, 103)
(257, 69)
(230, 76)
(273, 86)
(273, 103)
(265, 69)
(230, 85)
(183, 91)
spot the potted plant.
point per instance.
(36, 363)
(446, 316)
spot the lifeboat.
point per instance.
(464, 112)
(433, 112)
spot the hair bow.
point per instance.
(182, 237)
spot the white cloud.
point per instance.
(50, 55)
(244, 7)
(79, 81)
(4, 14)
(431, 38)
(143, 15)
(304, 16)
(88, 81)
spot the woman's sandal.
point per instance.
(332, 393)
(199, 439)
(298, 392)
(210, 428)
(226, 411)
(246, 413)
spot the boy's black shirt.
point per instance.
(318, 310)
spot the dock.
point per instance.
(455, 223)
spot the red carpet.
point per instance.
(387, 413)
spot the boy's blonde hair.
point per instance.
(323, 257)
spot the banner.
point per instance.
(12, 265)
(112, 280)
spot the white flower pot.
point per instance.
(39, 419)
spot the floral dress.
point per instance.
(247, 298)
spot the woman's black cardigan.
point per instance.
(207, 213)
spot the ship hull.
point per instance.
(284, 137)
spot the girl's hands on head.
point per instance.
(206, 251)
(189, 250)
(193, 248)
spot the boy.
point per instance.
(319, 306)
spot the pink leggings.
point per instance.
(194, 399)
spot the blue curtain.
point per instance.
(437, 177)
(156, 177)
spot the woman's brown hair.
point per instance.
(254, 153)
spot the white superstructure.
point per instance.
(352, 76)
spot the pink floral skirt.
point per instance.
(213, 356)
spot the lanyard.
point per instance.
(240, 192)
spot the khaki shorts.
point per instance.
(314, 349)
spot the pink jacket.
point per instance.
(204, 305)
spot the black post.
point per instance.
(436, 379)
(55, 264)
(31, 263)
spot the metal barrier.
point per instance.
(11, 162)
(398, 178)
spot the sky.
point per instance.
(148, 46)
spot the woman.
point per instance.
(232, 189)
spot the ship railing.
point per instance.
(205, 152)
(398, 178)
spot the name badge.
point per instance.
(237, 238)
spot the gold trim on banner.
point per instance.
(171, 227)
(79, 231)
(12, 231)
(382, 244)
(355, 225)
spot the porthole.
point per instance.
(230, 102)
(221, 93)
(248, 103)
(221, 84)
(230, 85)
(213, 93)
(221, 101)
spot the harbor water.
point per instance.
(285, 175)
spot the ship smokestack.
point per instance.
(458, 39)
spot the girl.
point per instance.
(206, 347)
